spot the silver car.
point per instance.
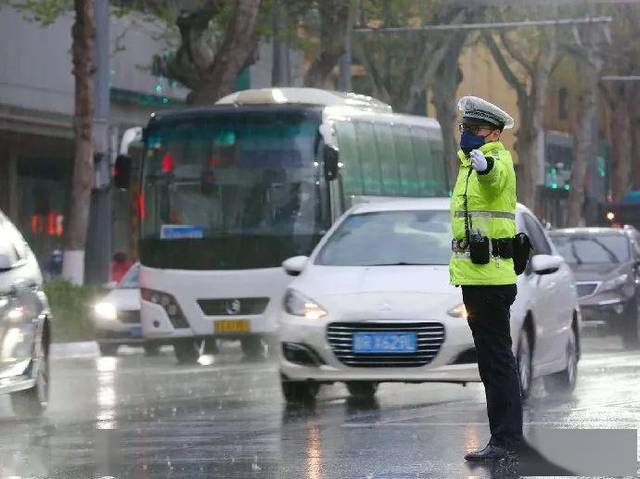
(25, 325)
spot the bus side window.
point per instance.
(441, 173)
(351, 171)
(404, 156)
(424, 161)
(368, 156)
(388, 160)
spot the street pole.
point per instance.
(280, 70)
(344, 64)
(99, 240)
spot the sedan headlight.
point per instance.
(106, 311)
(458, 311)
(614, 283)
(298, 304)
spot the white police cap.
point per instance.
(474, 108)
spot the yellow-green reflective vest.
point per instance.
(491, 200)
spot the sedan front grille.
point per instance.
(586, 288)
(430, 336)
(129, 317)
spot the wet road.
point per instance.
(141, 417)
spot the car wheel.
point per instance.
(631, 329)
(31, 403)
(187, 350)
(564, 382)
(253, 347)
(362, 389)
(524, 364)
(299, 391)
(151, 349)
(108, 349)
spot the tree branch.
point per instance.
(515, 54)
(503, 66)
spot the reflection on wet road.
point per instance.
(141, 417)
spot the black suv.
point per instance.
(605, 263)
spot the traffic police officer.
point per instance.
(483, 221)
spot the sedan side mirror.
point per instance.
(330, 158)
(546, 263)
(294, 266)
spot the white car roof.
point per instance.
(373, 205)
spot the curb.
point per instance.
(79, 349)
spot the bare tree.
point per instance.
(83, 33)
(444, 88)
(587, 50)
(336, 18)
(527, 70)
(400, 66)
(211, 54)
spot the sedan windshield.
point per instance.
(389, 239)
(131, 280)
(593, 249)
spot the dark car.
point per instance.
(605, 263)
(24, 325)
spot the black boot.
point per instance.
(489, 453)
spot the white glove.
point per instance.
(478, 161)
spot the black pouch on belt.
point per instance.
(479, 249)
(521, 252)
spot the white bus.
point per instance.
(230, 191)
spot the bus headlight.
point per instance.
(106, 310)
(298, 304)
(168, 303)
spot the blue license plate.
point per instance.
(136, 331)
(384, 342)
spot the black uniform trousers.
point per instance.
(488, 317)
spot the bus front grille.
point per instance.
(233, 306)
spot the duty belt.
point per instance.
(499, 247)
(487, 214)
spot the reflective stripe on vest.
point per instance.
(487, 214)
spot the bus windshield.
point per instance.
(234, 190)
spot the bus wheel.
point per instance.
(187, 350)
(253, 347)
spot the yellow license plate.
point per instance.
(232, 326)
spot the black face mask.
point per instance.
(470, 141)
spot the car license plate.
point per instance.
(136, 331)
(384, 342)
(232, 326)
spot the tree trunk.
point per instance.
(445, 87)
(83, 33)
(335, 25)
(584, 145)
(240, 41)
(528, 156)
(621, 147)
(590, 64)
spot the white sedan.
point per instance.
(373, 304)
(116, 317)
